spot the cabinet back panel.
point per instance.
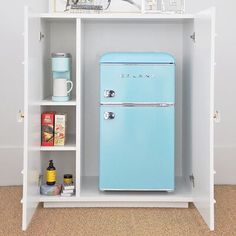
(103, 37)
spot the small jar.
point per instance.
(68, 179)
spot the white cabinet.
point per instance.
(190, 38)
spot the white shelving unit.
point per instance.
(190, 38)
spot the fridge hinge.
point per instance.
(192, 179)
(193, 37)
(41, 36)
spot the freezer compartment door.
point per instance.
(137, 148)
(137, 83)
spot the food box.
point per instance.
(47, 122)
(60, 129)
(50, 190)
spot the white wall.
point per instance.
(11, 48)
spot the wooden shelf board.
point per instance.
(90, 192)
(56, 198)
(117, 16)
(48, 102)
(69, 146)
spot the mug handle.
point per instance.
(71, 84)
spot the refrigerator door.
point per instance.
(137, 148)
(137, 83)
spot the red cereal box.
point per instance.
(47, 123)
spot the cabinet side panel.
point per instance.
(79, 104)
(188, 48)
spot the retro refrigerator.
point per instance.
(137, 122)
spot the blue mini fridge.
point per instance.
(137, 122)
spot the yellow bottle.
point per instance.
(51, 174)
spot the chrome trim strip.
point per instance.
(136, 64)
(138, 190)
(139, 104)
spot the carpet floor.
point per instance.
(117, 221)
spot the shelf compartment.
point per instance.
(90, 193)
(56, 41)
(65, 163)
(48, 102)
(69, 146)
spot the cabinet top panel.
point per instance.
(119, 16)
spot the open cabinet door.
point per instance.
(203, 112)
(32, 94)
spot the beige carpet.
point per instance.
(109, 222)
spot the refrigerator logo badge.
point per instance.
(137, 76)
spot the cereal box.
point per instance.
(60, 129)
(47, 123)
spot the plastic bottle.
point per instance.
(51, 174)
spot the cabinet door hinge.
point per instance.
(41, 36)
(20, 116)
(193, 37)
(192, 179)
(217, 117)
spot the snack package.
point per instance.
(60, 129)
(47, 123)
(50, 190)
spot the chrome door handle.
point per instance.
(109, 93)
(109, 115)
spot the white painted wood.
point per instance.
(48, 102)
(68, 204)
(90, 192)
(70, 145)
(87, 37)
(202, 116)
(32, 95)
(79, 103)
(136, 16)
(57, 199)
(187, 83)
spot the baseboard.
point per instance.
(225, 165)
(11, 165)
